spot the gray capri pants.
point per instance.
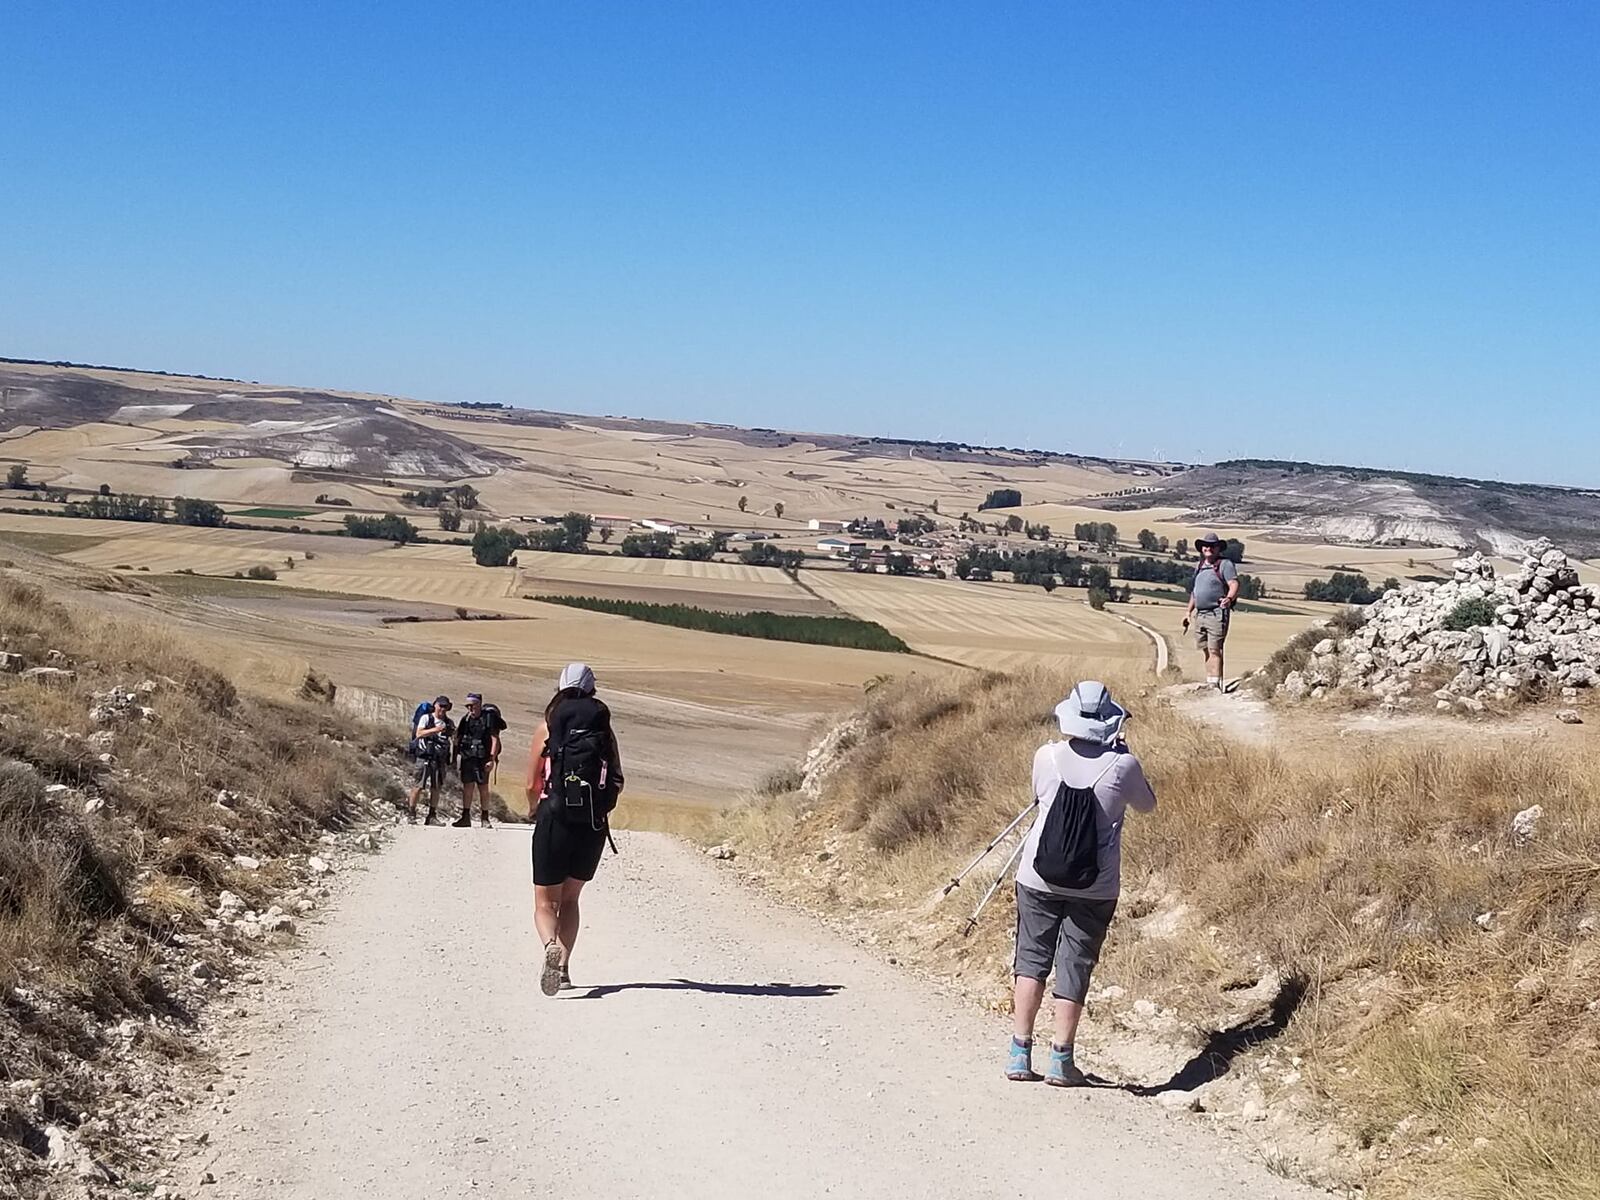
(1065, 929)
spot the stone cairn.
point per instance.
(1545, 635)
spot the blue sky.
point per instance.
(1354, 232)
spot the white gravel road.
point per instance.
(723, 1048)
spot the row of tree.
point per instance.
(127, 507)
(462, 496)
(1345, 587)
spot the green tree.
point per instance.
(1014, 524)
(1002, 498)
(198, 512)
(450, 519)
(696, 551)
(493, 546)
(1148, 541)
(647, 545)
(17, 476)
(777, 509)
(465, 496)
(719, 543)
(1097, 599)
(389, 528)
(1182, 548)
(744, 503)
(105, 489)
(605, 534)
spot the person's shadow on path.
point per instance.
(791, 991)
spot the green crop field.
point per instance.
(285, 514)
(848, 632)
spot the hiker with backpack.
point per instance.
(430, 747)
(1070, 872)
(477, 749)
(574, 779)
(1212, 595)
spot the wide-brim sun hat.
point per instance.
(1089, 714)
(576, 675)
(1209, 538)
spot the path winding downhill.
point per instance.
(723, 1047)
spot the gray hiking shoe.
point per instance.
(550, 977)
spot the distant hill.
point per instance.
(1368, 506)
(325, 437)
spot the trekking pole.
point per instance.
(955, 880)
(972, 921)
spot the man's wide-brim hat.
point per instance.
(1209, 538)
(1089, 714)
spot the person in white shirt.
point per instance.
(1060, 926)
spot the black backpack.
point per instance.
(1069, 844)
(581, 788)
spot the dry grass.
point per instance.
(1358, 871)
(64, 877)
(92, 903)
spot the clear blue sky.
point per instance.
(1346, 231)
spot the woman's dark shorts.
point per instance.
(475, 771)
(564, 850)
(1064, 929)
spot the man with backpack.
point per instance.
(574, 778)
(477, 749)
(1069, 874)
(431, 731)
(1212, 595)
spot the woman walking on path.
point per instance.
(574, 779)
(1065, 926)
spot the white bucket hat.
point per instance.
(1089, 714)
(576, 675)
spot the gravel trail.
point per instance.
(722, 1047)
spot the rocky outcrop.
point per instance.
(1532, 632)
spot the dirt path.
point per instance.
(721, 1047)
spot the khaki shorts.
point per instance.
(1211, 628)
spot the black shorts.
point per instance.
(475, 770)
(429, 772)
(564, 850)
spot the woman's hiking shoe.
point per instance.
(464, 821)
(566, 980)
(1019, 1063)
(550, 977)
(1063, 1072)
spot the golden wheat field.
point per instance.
(992, 626)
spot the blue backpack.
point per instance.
(416, 715)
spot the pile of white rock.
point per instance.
(1541, 633)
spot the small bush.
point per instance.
(1470, 614)
(1097, 599)
(261, 572)
(780, 781)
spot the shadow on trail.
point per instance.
(1215, 1058)
(791, 991)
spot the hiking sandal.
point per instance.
(550, 977)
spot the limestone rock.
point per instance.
(1526, 823)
